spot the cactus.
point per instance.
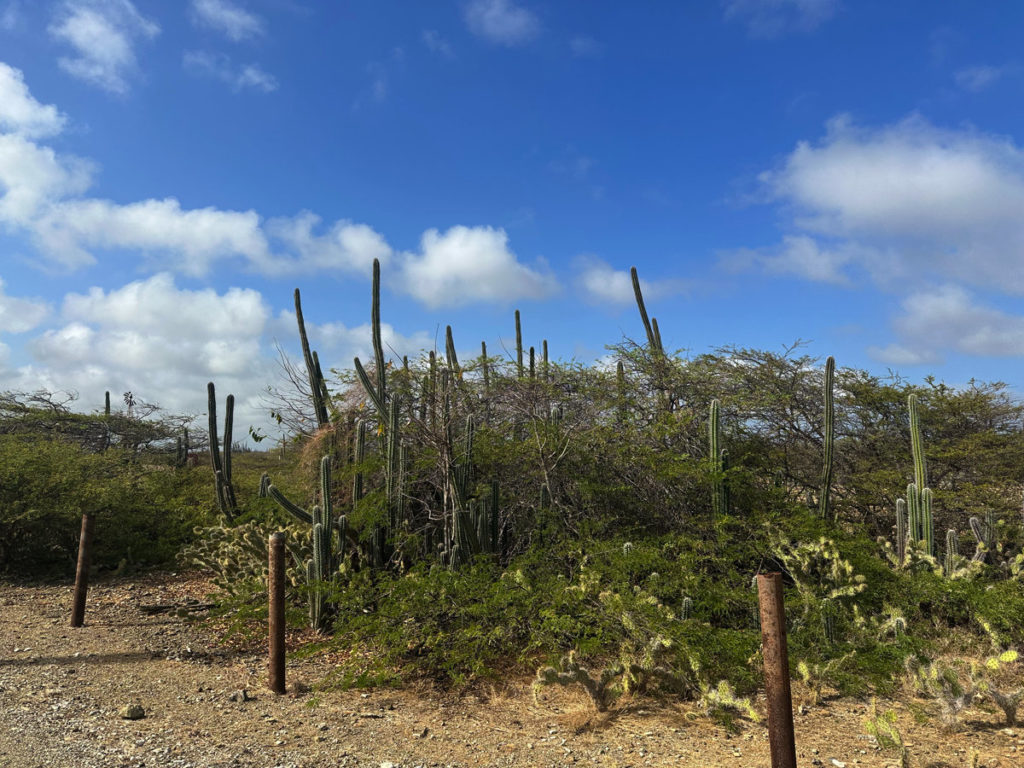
(533, 365)
(984, 535)
(449, 351)
(719, 490)
(545, 367)
(264, 491)
(222, 464)
(519, 347)
(919, 495)
(317, 387)
(952, 553)
(829, 439)
(653, 339)
(686, 609)
(620, 392)
(901, 531)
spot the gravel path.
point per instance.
(61, 691)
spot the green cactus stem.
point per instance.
(545, 367)
(533, 365)
(901, 531)
(449, 351)
(225, 490)
(377, 391)
(519, 347)
(952, 552)
(288, 505)
(620, 393)
(719, 498)
(916, 446)
(315, 379)
(652, 339)
(829, 440)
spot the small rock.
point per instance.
(242, 694)
(131, 712)
(838, 763)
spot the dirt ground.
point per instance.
(61, 690)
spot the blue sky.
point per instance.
(849, 174)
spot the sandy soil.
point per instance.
(61, 690)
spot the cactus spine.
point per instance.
(222, 464)
(829, 440)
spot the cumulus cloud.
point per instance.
(220, 67)
(948, 318)
(467, 264)
(44, 195)
(798, 255)
(20, 113)
(901, 200)
(103, 34)
(771, 18)
(228, 18)
(161, 342)
(502, 22)
(346, 246)
(600, 283)
(18, 315)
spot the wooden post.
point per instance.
(275, 584)
(82, 572)
(781, 742)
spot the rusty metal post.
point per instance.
(275, 584)
(781, 741)
(82, 572)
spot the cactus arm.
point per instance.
(449, 351)
(651, 339)
(916, 444)
(307, 356)
(288, 505)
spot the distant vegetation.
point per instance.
(457, 519)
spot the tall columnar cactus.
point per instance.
(719, 492)
(222, 463)
(901, 531)
(317, 386)
(952, 552)
(828, 435)
(449, 351)
(919, 495)
(533, 364)
(621, 407)
(321, 571)
(653, 338)
(519, 347)
(984, 535)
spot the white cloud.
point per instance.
(468, 264)
(798, 255)
(22, 114)
(103, 34)
(908, 199)
(346, 246)
(44, 196)
(437, 44)
(502, 22)
(948, 318)
(193, 238)
(31, 177)
(600, 283)
(978, 78)
(18, 315)
(228, 18)
(161, 342)
(771, 18)
(220, 67)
